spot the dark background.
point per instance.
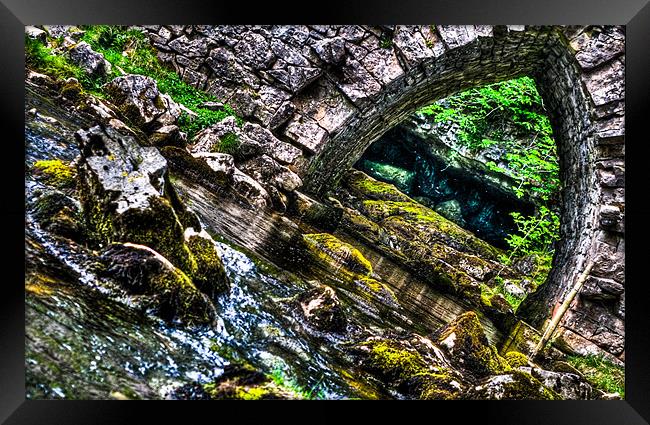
(15, 14)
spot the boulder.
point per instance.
(168, 135)
(139, 99)
(122, 194)
(243, 382)
(90, 61)
(250, 190)
(468, 347)
(267, 171)
(515, 385)
(570, 386)
(225, 137)
(280, 151)
(210, 276)
(221, 163)
(322, 309)
(143, 271)
(36, 33)
(416, 370)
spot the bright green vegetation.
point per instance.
(484, 116)
(601, 373)
(488, 294)
(41, 58)
(281, 379)
(484, 113)
(535, 236)
(128, 50)
(229, 144)
(56, 172)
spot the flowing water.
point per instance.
(86, 338)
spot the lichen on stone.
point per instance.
(331, 251)
(56, 173)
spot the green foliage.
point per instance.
(229, 144)
(483, 116)
(535, 234)
(129, 52)
(281, 379)
(43, 59)
(601, 373)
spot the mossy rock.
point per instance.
(56, 173)
(334, 253)
(72, 89)
(246, 383)
(428, 223)
(375, 290)
(58, 213)
(156, 227)
(143, 271)
(210, 276)
(183, 163)
(401, 366)
(364, 186)
(516, 359)
(468, 347)
(515, 385)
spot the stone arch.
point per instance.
(333, 90)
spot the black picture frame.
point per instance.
(15, 14)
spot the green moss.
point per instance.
(394, 362)
(331, 251)
(157, 227)
(181, 298)
(465, 339)
(210, 275)
(251, 393)
(365, 186)
(601, 373)
(516, 359)
(56, 173)
(408, 371)
(229, 143)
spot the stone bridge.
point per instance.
(333, 90)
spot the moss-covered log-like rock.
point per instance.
(468, 347)
(143, 271)
(438, 250)
(399, 365)
(331, 251)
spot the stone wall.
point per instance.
(333, 90)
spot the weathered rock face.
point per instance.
(468, 347)
(90, 61)
(371, 78)
(124, 199)
(141, 270)
(321, 308)
(140, 101)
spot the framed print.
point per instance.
(404, 203)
